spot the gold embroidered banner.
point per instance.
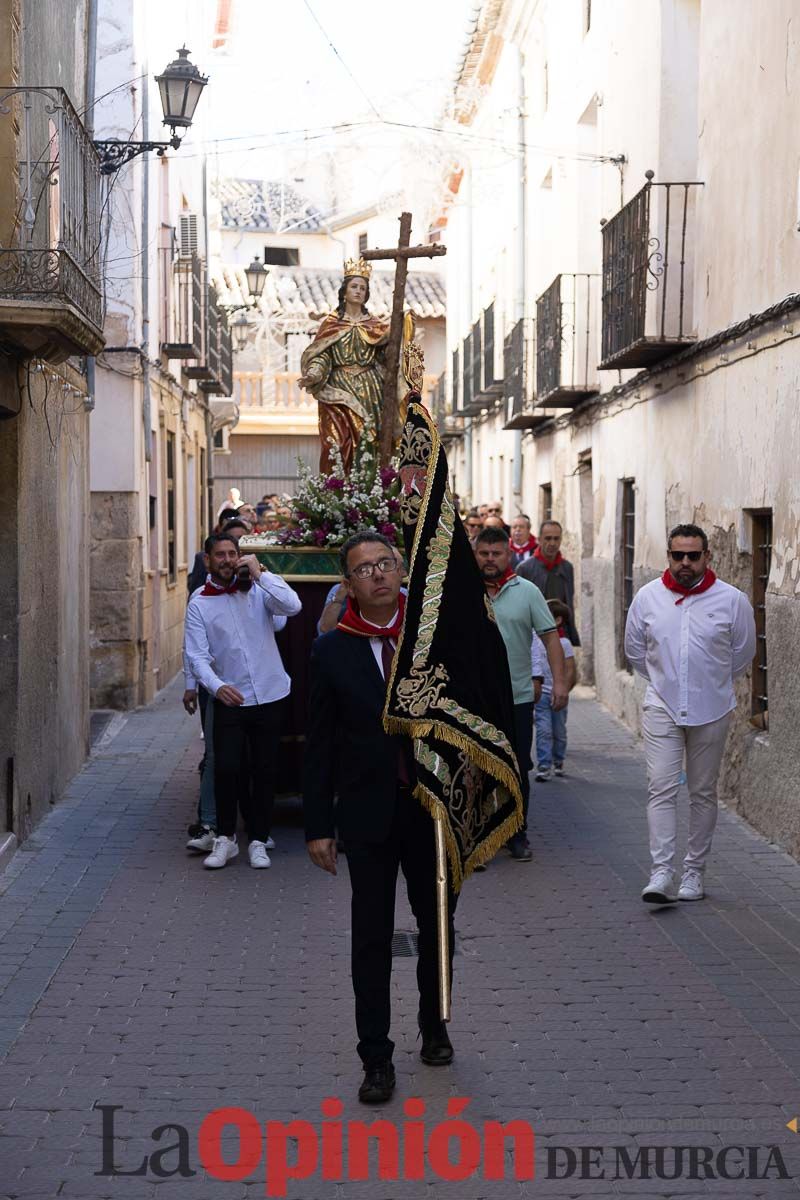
(450, 688)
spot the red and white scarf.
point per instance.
(669, 581)
(528, 547)
(353, 622)
(212, 588)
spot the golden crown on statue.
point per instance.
(357, 266)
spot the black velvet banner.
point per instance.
(450, 687)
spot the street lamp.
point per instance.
(256, 276)
(180, 86)
(240, 328)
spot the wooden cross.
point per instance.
(401, 254)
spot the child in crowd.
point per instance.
(551, 726)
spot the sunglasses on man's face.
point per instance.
(692, 555)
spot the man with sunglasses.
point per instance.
(382, 825)
(689, 634)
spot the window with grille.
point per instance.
(627, 548)
(282, 256)
(363, 243)
(545, 502)
(762, 561)
(172, 557)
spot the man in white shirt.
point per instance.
(689, 634)
(230, 648)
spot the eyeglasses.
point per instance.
(692, 555)
(386, 566)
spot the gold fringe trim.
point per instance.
(489, 763)
(482, 853)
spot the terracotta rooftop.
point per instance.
(311, 292)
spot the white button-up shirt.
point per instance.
(230, 639)
(691, 652)
(189, 678)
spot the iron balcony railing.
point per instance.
(566, 341)
(50, 235)
(214, 370)
(183, 291)
(517, 391)
(647, 273)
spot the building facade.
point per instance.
(641, 273)
(50, 320)
(163, 378)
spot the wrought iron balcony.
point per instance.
(647, 274)
(182, 299)
(566, 341)
(51, 299)
(517, 395)
(214, 370)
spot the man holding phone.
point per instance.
(230, 647)
(689, 634)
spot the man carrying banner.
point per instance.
(404, 727)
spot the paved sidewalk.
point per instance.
(130, 976)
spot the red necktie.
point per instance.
(387, 658)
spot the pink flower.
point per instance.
(353, 516)
(388, 531)
(334, 485)
(388, 475)
(393, 505)
(319, 537)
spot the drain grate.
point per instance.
(404, 944)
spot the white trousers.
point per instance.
(665, 746)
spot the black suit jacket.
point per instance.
(347, 752)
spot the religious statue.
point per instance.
(344, 369)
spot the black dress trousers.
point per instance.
(373, 876)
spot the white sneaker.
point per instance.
(543, 774)
(691, 885)
(202, 839)
(661, 888)
(223, 850)
(258, 855)
(269, 844)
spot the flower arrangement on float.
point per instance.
(327, 509)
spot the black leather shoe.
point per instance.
(519, 848)
(437, 1049)
(378, 1085)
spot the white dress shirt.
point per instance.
(230, 639)
(690, 653)
(377, 642)
(189, 678)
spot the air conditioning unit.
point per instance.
(190, 235)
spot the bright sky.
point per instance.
(279, 73)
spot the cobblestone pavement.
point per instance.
(132, 977)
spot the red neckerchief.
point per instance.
(548, 562)
(531, 545)
(495, 586)
(217, 589)
(705, 583)
(353, 622)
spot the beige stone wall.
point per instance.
(43, 598)
(117, 587)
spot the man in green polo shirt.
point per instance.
(520, 610)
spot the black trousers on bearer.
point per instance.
(373, 875)
(246, 747)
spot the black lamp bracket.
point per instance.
(115, 152)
